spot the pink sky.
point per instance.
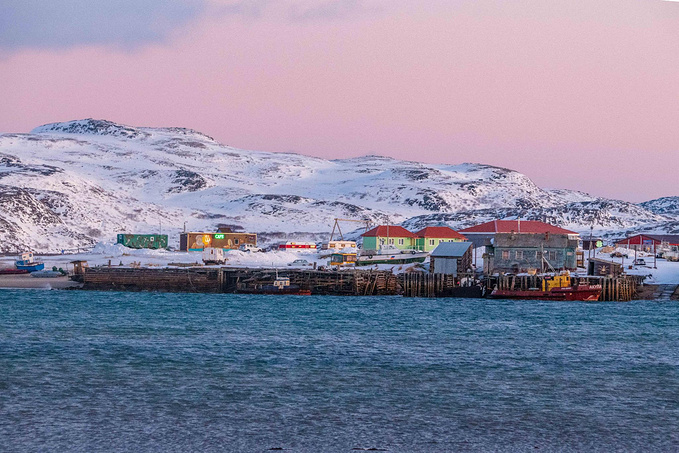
(575, 94)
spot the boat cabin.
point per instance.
(558, 281)
(339, 245)
(281, 282)
(343, 259)
(79, 267)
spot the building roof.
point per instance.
(638, 239)
(599, 260)
(671, 238)
(439, 232)
(516, 226)
(394, 231)
(451, 249)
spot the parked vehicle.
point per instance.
(249, 248)
(672, 254)
(640, 262)
(299, 262)
(213, 255)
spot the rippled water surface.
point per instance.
(88, 371)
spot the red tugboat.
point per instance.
(553, 288)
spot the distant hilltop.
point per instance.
(72, 184)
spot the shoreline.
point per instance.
(25, 281)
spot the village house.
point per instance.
(391, 235)
(592, 243)
(517, 253)
(430, 237)
(197, 241)
(482, 234)
(648, 242)
(515, 246)
(453, 258)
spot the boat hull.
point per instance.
(580, 293)
(13, 271)
(402, 258)
(276, 292)
(30, 267)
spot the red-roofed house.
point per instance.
(481, 234)
(394, 235)
(648, 242)
(430, 237)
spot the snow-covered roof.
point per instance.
(451, 249)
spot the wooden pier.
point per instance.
(351, 282)
(339, 283)
(192, 280)
(233, 280)
(419, 284)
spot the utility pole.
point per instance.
(655, 257)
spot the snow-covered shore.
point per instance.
(659, 271)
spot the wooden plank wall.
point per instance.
(192, 280)
(343, 283)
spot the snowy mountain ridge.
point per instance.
(69, 185)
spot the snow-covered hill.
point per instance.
(69, 185)
(665, 205)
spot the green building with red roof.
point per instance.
(430, 237)
(392, 235)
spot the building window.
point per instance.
(440, 240)
(519, 254)
(505, 254)
(552, 255)
(381, 241)
(236, 241)
(391, 241)
(401, 241)
(431, 242)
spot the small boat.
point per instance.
(390, 255)
(29, 263)
(280, 286)
(557, 287)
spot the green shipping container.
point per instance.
(143, 241)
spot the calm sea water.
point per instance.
(88, 371)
